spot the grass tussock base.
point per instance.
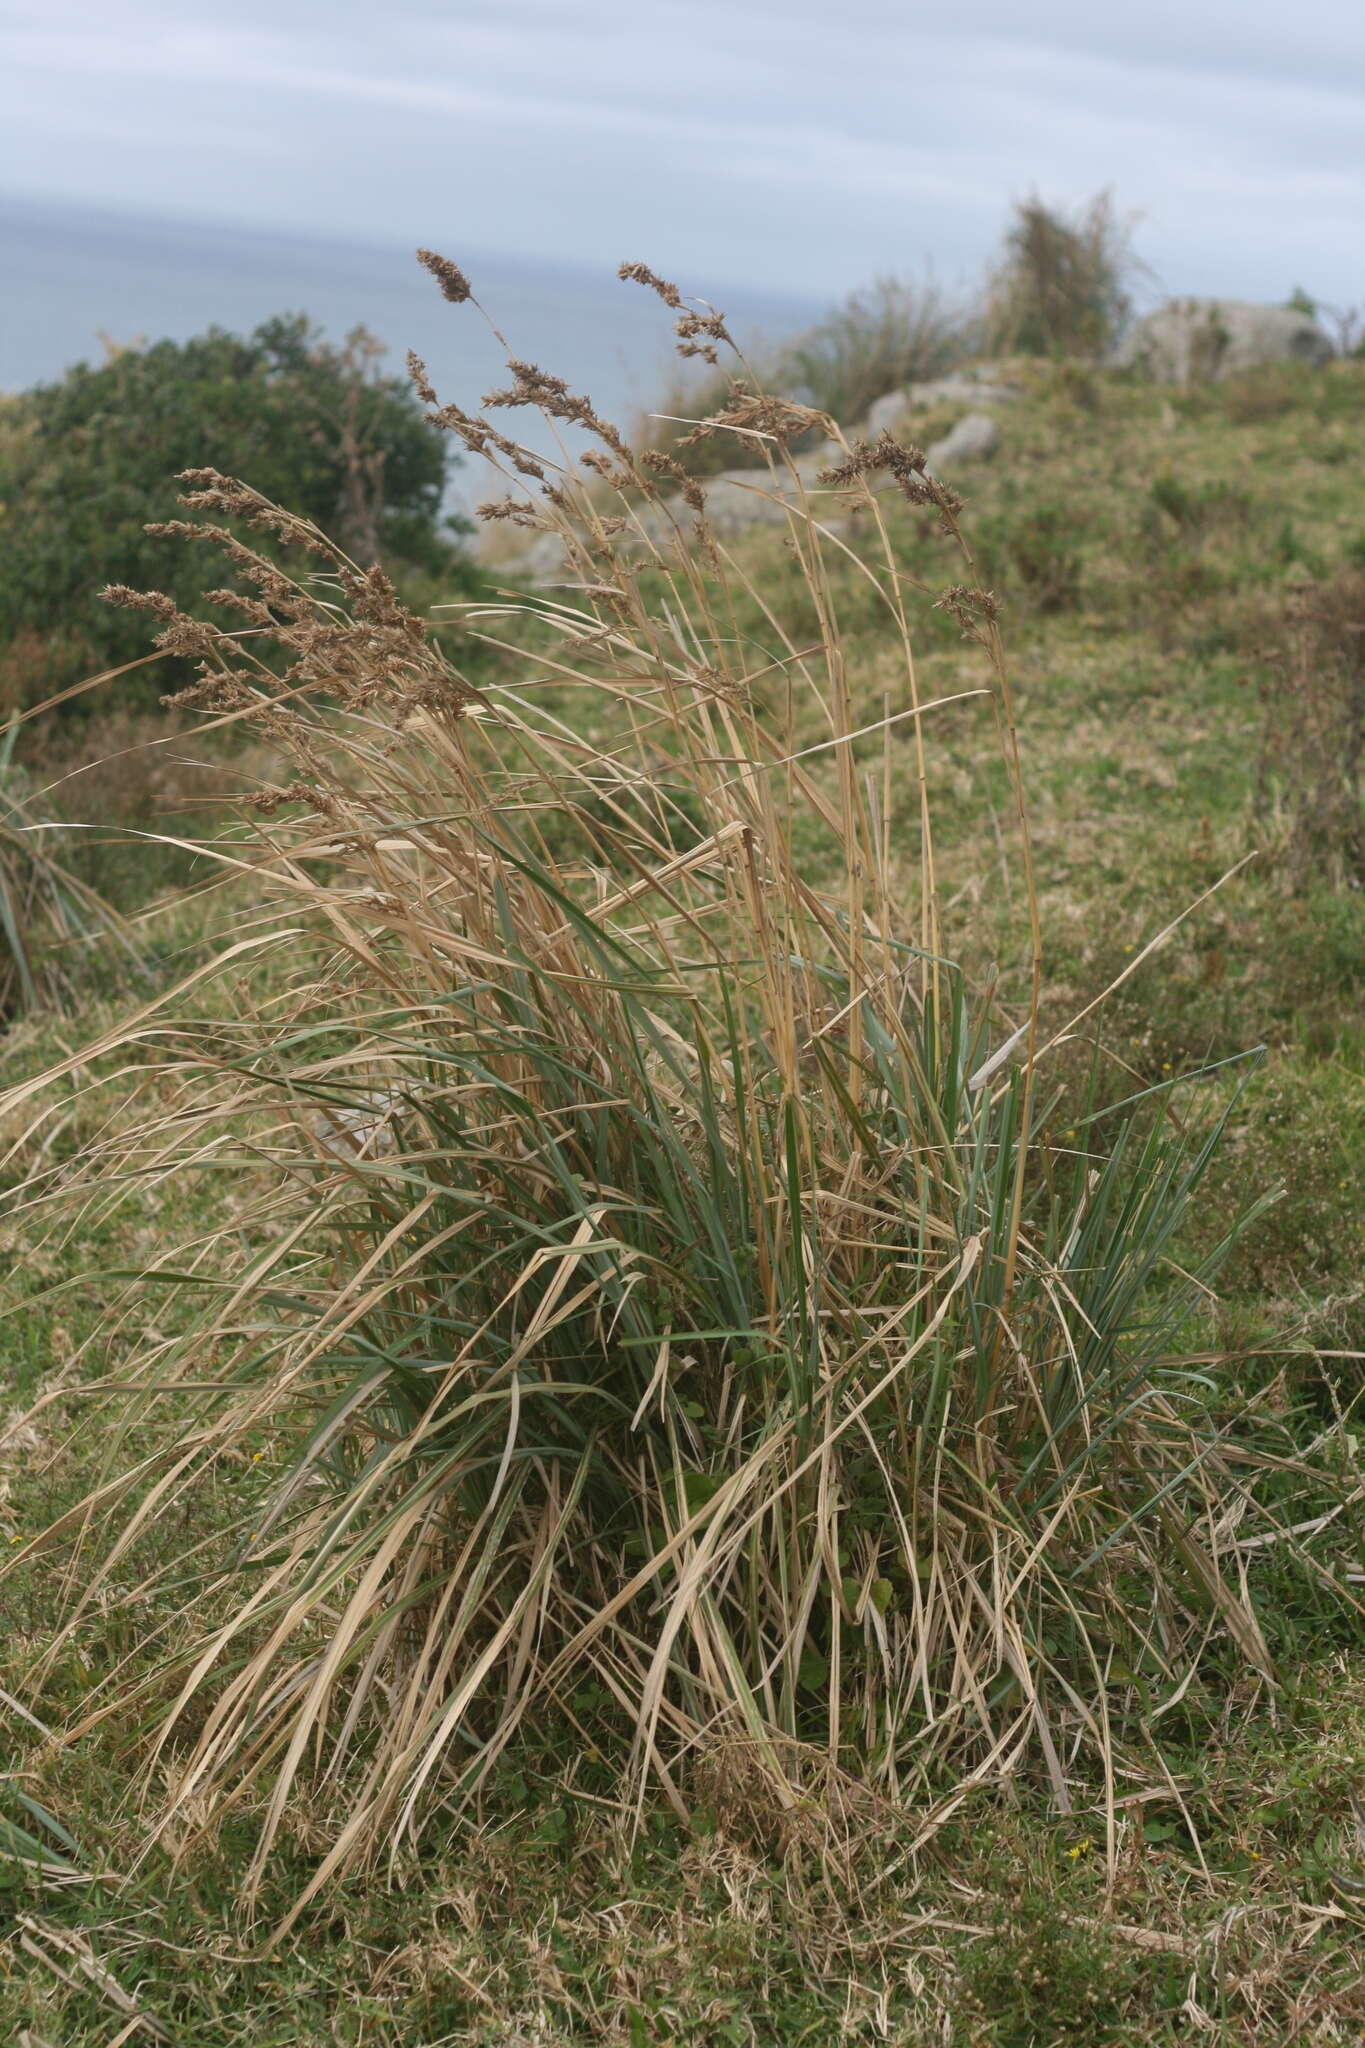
(668, 1314)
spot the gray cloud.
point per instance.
(805, 145)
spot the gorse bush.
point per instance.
(86, 462)
(670, 1313)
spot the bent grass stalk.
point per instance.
(669, 1313)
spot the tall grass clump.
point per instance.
(884, 337)
(668, 1315)
(1061, 286)
(49, 917)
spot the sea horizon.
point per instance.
(79, 280)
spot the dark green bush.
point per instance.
(87, 462)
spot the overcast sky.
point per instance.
(803, 145)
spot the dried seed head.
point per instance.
(613, 473)
(449, 276)
(688, 326)
(973, 609)
(779, 419)
(154, 601)
(663, 465)
(421, 380)
(640, 273)
(904, 465)
(478, 437)
(552, 396)
(514, 509)
(867, 458)
(533, 386)
(251, 608)
(211, 491)
(211, 693)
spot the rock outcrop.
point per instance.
(964, 387)
(542, 562)
(741, 498)
(973, 439)
(1201, 341)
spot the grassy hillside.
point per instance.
(1182, 580)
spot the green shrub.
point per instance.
(1194, 509)
(1041, 1975)
(85, 464)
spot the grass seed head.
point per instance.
(455, 286)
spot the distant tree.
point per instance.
(85, 463)
(1061, 286)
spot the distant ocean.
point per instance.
(68, 275)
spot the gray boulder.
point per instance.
(964, 387)
(736, 500)
(973, 439)
(741, 498)
(544, 561)
(887, 414)
(1200, 341)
